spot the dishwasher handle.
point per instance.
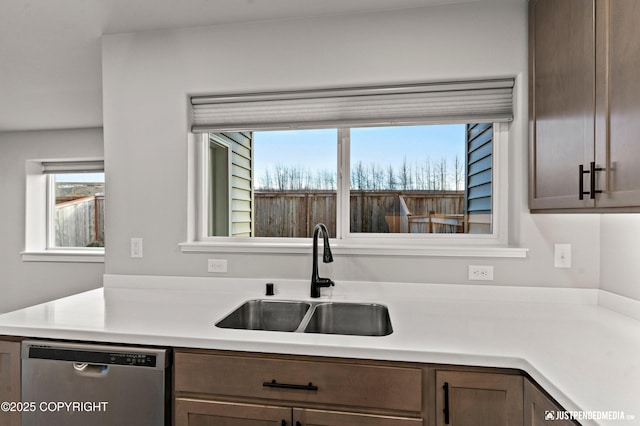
(90, 370)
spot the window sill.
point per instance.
(76, 256)
(484, 251)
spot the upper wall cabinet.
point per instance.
(584, 105)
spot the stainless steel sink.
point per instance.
(271, 315)
(356, 319)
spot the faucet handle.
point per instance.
(325, 282)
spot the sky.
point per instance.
(80, 177)
(383, 146)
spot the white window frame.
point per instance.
(207, 184)
(39, 235)
(449, 245)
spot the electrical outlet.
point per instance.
(562, 255)
(480, 273)
(217, 265)
(136, 248)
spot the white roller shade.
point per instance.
(461, 102)
(93, 166)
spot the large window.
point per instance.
(427, 179)
(402, 163)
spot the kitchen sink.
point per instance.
(271, 315)
(356, 319)
(359, 319)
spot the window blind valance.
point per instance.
(90, 166)
(461, 102)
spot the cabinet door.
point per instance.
(540, 410)
(478, 399)
(9, 380)
(307, 417)
(618, 118)
(561, 101)
(193, 412)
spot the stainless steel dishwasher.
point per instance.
(70, 384)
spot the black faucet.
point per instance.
(316, 281)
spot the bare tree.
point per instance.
(328, 179)
(358, 176)
(265, 180)
(404, 175)
(442, 174)
(427, 172)
(377, 177)
(390, 178)
(427, 175)
(280, 178)
(458, 172)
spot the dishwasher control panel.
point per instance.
(138, 359)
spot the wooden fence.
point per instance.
(80, 223)
(295, 213)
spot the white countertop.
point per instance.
(586, 356)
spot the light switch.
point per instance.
(562, 256)
(136, 248)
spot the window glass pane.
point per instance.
(78, 210)
(413, 179)
(295, 178)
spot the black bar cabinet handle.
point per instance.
(446, 403)
(274, 384)
(593, 169)
(581, 182)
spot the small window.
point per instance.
(65, 211)
(76, 210)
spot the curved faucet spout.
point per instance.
(316, 281)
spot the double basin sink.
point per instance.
(356, 319)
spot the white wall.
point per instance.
(147, 78)
(27, 283)
(620, 254)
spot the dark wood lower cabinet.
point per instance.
(540, 410)
(478, 399)
(9, 380)
(228, 389)
(218, 388)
